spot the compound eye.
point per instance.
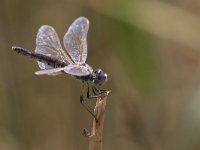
(102, 73)
(98, 71)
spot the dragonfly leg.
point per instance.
(81, 95)
(85, 105)
(98, 92)
(96, 95)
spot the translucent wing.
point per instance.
(75, 40)
(47, 43)
(77, 70)
(53, 71)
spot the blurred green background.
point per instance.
(150, 50)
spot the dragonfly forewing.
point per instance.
(75, 40)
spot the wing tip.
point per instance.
(82, 18)
(44, 27)
(37, 73)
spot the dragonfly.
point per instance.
(52, 59)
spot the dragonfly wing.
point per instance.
(53, 71)
(75, 40)
(48, 43)
(77, 70)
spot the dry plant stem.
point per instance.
(95, 136)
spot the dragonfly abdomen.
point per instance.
(40, 57)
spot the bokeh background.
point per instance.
(149, 48)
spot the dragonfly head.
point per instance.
(99, 77)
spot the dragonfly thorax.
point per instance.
(99, 77)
